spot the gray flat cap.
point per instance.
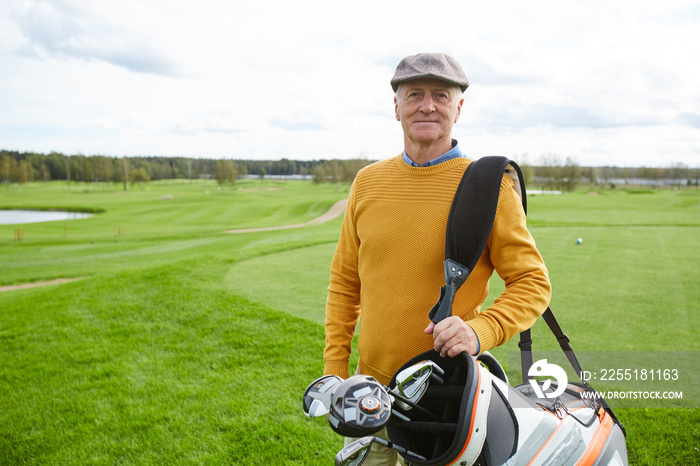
(430, 65)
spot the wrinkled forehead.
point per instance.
(427, 84)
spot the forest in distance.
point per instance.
(549, 171)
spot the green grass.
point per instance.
(178, 373)
(140, 229)
(187, 345)
(294, 280)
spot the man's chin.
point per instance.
(426, 138)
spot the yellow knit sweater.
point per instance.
(388, 268)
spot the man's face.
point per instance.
(427, 109)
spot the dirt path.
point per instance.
(335, 211)
(58, 281)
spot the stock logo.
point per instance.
(542, 368)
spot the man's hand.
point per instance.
(452, 336)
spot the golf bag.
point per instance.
(463, 410)
(482, 420)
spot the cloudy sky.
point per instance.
(609, 82)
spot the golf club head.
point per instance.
(317, 397)
(359, 406)
(413, 381)
(355, 453)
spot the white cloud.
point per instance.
(609, 82)
(64, 29)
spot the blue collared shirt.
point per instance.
(453, 153)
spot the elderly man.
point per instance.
(388, 266)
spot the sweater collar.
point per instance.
(453, 153)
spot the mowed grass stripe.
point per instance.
(142, 230)
(144, 214)
(596, 284)
(293, 281)
(616, 207)
(624, 283)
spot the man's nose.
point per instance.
(427, 105)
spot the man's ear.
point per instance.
(459, 110)
(396, 109)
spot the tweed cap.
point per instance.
(430, 65)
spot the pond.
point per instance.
(15, 217)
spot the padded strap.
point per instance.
(470, 222)
(474, 209)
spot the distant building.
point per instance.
(281, 177)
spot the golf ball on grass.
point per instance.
(579, 241)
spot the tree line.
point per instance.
(554, 173)
(22, 167)
(550, 172)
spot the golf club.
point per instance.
(317, 397)
(357, 406)
(412, 382)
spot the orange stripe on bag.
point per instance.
(598, 442)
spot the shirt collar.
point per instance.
(453, 153)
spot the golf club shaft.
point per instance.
(398, 448)
(417, 407)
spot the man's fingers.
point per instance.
(452, 336)
(449, 344)
(443, 332)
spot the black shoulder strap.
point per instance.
(525, 345)
(474, 208)
(469, 224)
(468, 229)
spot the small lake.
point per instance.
(15, 217)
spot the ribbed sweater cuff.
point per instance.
(339, 368)
(484, 332)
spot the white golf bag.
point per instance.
(483, 420)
